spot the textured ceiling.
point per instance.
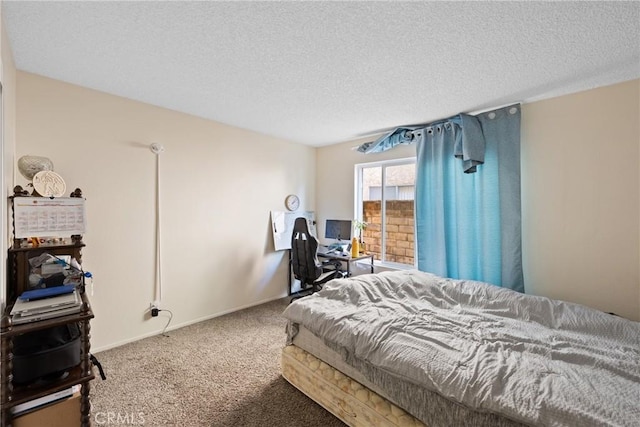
(325, 72)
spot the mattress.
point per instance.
(525, 358)
(345, 398)
(314, 345)
(427, 408)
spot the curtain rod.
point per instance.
(475, 113)
(437, 121)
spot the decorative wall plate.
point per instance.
(49, 184)
(31, 165)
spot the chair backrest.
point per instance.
(304, 247)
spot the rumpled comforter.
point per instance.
(532, 359)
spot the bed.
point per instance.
(409, 348)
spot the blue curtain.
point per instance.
(468, 198)
(388, 141)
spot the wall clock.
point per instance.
(292, 202)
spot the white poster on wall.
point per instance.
(282, 227)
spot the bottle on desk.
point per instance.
(355, 248)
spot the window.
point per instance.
(384, 200)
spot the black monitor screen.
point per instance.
(337, 229)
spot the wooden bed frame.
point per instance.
(339, 394)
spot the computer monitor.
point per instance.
(338, 229)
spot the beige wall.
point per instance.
(581, 198)
(218, 186)
(7, 146)
(580, 195)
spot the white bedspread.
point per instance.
(532, 359)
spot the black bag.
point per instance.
(46, 355)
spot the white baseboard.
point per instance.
(182, 325)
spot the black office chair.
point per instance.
(304, 261)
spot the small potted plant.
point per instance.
(360, 227)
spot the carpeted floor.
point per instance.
(221, 372)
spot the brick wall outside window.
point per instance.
(399, 228)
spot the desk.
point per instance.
(347, 259)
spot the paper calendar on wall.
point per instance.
(45, 217)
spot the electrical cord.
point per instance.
(157, 149)
(77, 267)
(96, 363)
(168, 321)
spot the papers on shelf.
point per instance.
(44, 400)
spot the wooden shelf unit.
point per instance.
(17, 282)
